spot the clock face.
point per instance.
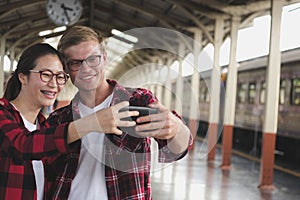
(64, 12)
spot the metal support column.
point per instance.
(230, 97)
(2, 54)
(168, 86)
(12, 59)
(159, 85)
(194, 108)
(179, 81)
(272, 96)
(151, 76)
(215, 91)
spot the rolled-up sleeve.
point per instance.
(167, 156)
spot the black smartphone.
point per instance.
(143, 111)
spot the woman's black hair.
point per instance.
(27, 62)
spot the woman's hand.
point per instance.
(109, 119)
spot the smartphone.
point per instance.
(143, 111)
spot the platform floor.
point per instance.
(194, 178)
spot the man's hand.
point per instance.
(163, 125)
(166, 126)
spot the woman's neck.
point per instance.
(29, 112)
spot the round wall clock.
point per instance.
(64, 12)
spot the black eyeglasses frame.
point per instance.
(66, 76)
(69, 63)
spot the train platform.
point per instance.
(194, 178)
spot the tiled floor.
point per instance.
(193, 178)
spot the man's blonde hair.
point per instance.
(78, 34)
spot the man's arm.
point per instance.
(165, 126)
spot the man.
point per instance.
(109, 166)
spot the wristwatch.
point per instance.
(64, 12)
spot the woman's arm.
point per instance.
(14, 137)
(105, 121)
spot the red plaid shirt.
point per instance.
(127, 158)
(18, 147)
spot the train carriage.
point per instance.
(250, 107)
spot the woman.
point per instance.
(38, 79)
(27, 143)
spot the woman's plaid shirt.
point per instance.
(18, 147)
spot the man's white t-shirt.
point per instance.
(89, 182)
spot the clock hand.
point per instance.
(66, 8)
(65, 11)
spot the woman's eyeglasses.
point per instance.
(47, 75)
(91, 61)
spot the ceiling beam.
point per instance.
(11, 23)
(204, 10)
(237, 10)
(130, 20)
(196, 21)
(31, 28)
(18, 4)
(92, 13)
(153, 14)
(14, 7)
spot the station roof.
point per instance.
(22, 21)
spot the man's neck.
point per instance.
(95, 97)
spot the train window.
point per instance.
(295, 93)
(252, 93)
(262, 96)
(282, 91)
(202, 94)
(242, 92)
(207, 96)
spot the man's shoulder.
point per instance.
(60, 115)
(64, 109)
(131, 90)
(142, 97)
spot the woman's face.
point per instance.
(38, 92)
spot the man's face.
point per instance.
(86, 65)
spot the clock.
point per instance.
(64, 12)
